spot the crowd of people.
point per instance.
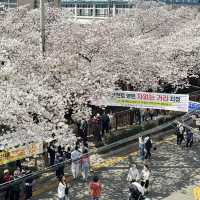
(100, 124)
(56, 157)
(13, 191)
(95, 188)
(78, 157)
(138, 182)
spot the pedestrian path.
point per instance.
(174, 175)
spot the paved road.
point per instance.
(174, 174)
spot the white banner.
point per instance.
(163, 101)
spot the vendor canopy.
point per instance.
(163, 101)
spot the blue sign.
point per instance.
(193, 106)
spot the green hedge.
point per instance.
(164, 120)
(118, 135)
(150, 125)
(113, 137)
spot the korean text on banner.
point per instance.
(19, 153)
(164, 101)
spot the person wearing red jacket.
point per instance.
(95, 188)
(7, 178)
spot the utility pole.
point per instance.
(42, 26)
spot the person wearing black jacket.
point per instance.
(28, 187)
(52, 154)
(147, 147)
(68, 154)
(60, 168)
(15, 191)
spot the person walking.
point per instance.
(136, 191)
(52, 154)
(28, 187)
(16, 187)
(141, 147)
(68, 153)
(75, 157)
(63, 189)
(151, 113)
(145, 175)
(83, 130)
(7, 178)
(189, 138)
(60, 168)
(105, 123)
(19, 172)
(15, 190)
(142, 115)
(180, 133)
(98, 127)
(95, 188)
(133, 174)
(147, 147)
(85, 163)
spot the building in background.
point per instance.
(108, 8)
(4, 4)
(99, 8)
(182, 2)
(92, 8)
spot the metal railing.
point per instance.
(37, 175)
(118, 120)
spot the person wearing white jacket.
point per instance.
(61, 188)
(133, 174)
(75, 157)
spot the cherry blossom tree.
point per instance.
(86, 60)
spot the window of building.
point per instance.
(102, 5)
